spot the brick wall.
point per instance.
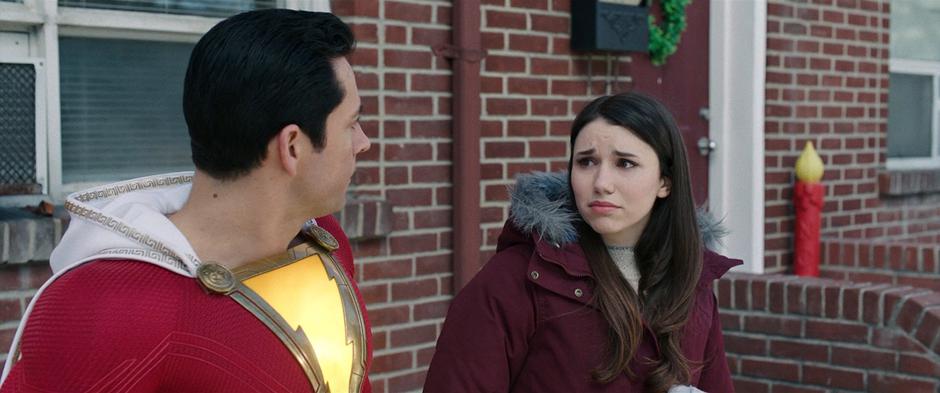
(19, 283)
(916, 265)
(532, 88)
(789, 334)
(406, 276)
(827, 82)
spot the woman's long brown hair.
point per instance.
(668, 252)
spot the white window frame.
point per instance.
(924, 68)
(45, 21)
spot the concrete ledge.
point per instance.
(29, 239)
(365, 217)
(25, 237)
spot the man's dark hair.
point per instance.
(255, 73)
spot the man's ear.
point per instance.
(665, 186)
(286, 146)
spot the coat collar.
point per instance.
(542, 213)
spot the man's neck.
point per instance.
(235, 222)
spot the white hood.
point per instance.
(125, 220)
(128, 220)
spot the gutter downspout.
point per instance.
(466, 53)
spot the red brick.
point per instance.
(550, 66)
(514, 169)
(496, 192)
(493, 41)
(387, 269)
(492, 171)
(548, 149)
(530, 4)
(864, 358)
(409, 197)
(431, 173)
(913, 308)
(409, 244)
(410, 290)
(546, 107)
(506, 106)
(429, 37)
(407, 151)
(836, 331)
(798, 350)
(833, 377)
(512, 20)
(409, 105)
(391, 362)
(407, 11)
(503, 149)
(10, 310)
(407, 58)
(531, 86)
(776, 325)
(833, 17)
(528, 43)
(770, 369)
(526, 128)
(396, 34)
(744, 345)
(497, 63)
(551, 24)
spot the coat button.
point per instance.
(534, 274)
(578, 292)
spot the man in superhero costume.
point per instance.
(217, 281)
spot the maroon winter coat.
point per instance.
(525, 324)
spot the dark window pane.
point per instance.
(910, 116)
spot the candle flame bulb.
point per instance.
(809, 167)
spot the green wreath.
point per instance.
(665, 40)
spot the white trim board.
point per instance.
(737, 73)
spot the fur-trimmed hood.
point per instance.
(542, 205)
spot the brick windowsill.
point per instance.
(909, 182)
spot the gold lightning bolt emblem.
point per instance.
(306, 299)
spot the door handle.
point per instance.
(705, 146)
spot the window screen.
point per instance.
(122, 110)
(17, 128)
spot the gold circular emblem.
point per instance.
(322, 237)
(216, 278)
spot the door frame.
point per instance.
(737, 71)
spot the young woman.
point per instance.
(601, 281)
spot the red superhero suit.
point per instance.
(126, 325)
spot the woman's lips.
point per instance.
(601, 207)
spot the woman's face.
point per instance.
(616, 179)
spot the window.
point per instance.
(216, 8)
(108, 78)
(914, 96)
(122, 106)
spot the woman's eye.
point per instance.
(586, 162)
(625, 163)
